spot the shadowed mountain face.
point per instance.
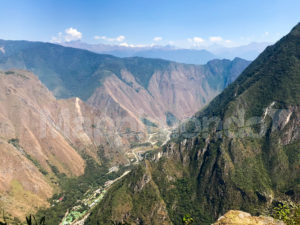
(240, 152)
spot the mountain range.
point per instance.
(93, 138)
(181, 55)
(161, 86)
(69, 116)
(240, 152)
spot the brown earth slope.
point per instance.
(179, 90)
(38, 134)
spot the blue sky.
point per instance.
(186, 23)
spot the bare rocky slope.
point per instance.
(42, 138)
(239, 152)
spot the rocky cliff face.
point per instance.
(240, 152)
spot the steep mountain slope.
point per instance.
(240, 152)
(43, 139)
(122, 86)
(179, 89)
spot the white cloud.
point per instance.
(199, 42)
(171, 42)
(215, 39)
(70, 34)
(99, 37)
(125, 44)
(157, 39)
(120, 38)
(196, 41)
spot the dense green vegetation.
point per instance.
(287, 213)
(182, 192)
(171, 119)
(187, 219)
(178, 195)
(148, 123)
(125, 199)
(136, 144)
(73, 189)
(16, 144)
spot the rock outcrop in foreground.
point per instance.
(235, 217)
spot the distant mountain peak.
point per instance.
(173, 53)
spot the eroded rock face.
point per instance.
(180, 90)
(39, 132)
(235, 217)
